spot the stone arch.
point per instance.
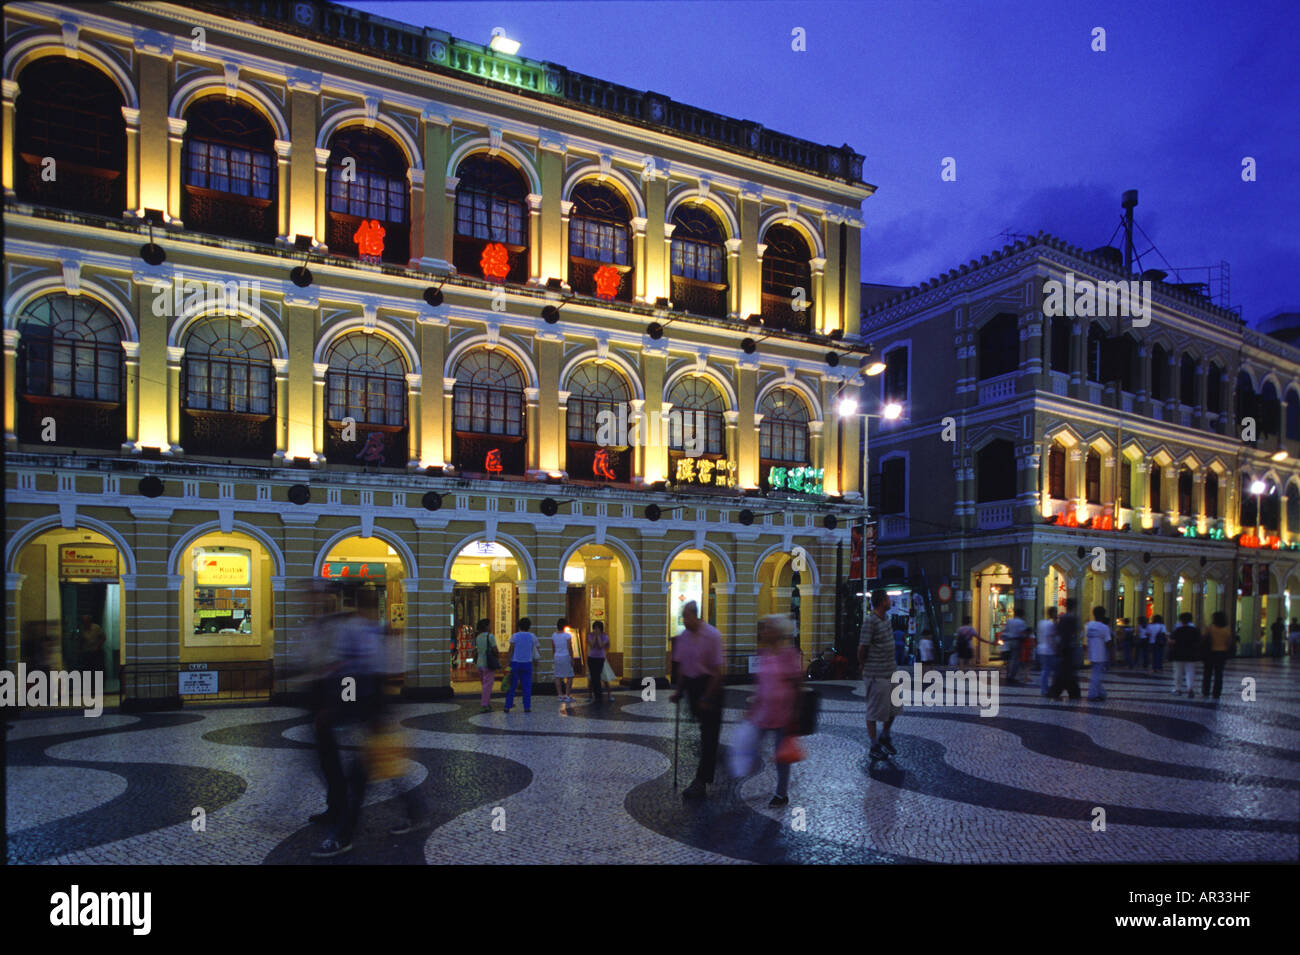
(520, 552)
(390, 538)
(726, 215)
(615, 177)
(800, 222)
(794, 384)
(30, 531)
(631, 565)
(624, 366)
(707, 547)
(356, 116)
(521, 357)
(727, 390)
(22, 296)
(199, 87)
(23, 53)
(814, 575)
(237, 527)
(390, 331)
(194, 316)
(481, 144)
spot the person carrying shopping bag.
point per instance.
(773, 710)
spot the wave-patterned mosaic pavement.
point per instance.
(1178, 780)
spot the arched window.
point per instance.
(893, 486)
(368, 182)
(1062, 329)
(1293, 513)
(783, 432)
(71, 112)
(701, 406)
(1270, 508)
(1214, 389)
(230, 170)
(1246, 403)
(1212, 495)
(999, 346)
(1125, 482)
(1270, 411)
(598, 411)
(491, 208)
(893, 384)
(1155, 485)
(366, 382)
(488, 410)
(600, 235)
(786, 267)
(1159, 373)
(1248, 512)
(1293, 415)
(1056, 472)
(228, 389)
(699, 262)
(1095, 365)
(1185, 484)
(995, 472)
(71, 369)
(1187, 382)
(1092, 477)
(1119, 362)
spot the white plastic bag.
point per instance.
(742, 751)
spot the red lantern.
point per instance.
(608, 279)
(495, 261)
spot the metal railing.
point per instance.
(236, 681)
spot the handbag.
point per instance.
(789, 751)
(742, 751)
(806, 709)
(493, 655)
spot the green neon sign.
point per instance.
(803, 480)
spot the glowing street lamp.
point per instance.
(502, 43)
(848, 407)
(892, 411)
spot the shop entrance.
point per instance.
(485, 579)
(371, 563)
(594, 575)
(994, 601)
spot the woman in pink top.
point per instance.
(780, 670)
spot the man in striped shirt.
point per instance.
(876, 657)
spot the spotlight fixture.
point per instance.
(432, 500)
(551, 313)
(301, 275)
(551, 507)
(1278, 455)
(659, 486)
(554, 477)
(832, 359)
(754, 321)
(656, 329)
(151, 486)
(836, 334)
(554, 285)
(848, 407)
(502, 43)
(434, 470)
(871, 367)
(746, 516)
(299, 494)
(151, 252)
(652, 512)
(662, 304)
(892, 411)
(433, 294)
(830, 522)
(302, 464)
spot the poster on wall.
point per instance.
(223, 568)
(503, 611)
(683, 587)
(596, 611)
(88, 560)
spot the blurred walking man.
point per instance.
(697, 651)
(876, 657)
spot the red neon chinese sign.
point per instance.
(495, 261)
(369, 238)
(601, 466)
(492, 463)
(608, 279)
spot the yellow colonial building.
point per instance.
(293, 293)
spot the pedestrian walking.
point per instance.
(1013, 634)
(487, 656)
(1218, 644)
(562, 661)
(966, 636)
(1184, 651)
(1067, 638)
(1159, 638)
(1293, 637)
(597, 645)
(773, 710)
(1142, 638)
(1279, 635)
(523, 651)
(697, 651)
(1047, 650)
(876, 657)
(1098, 635)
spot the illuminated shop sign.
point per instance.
(221, 568)
(803, 480)
(492, 463)
(88, 560)
(354, 570)
(701, 472)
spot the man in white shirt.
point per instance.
(1013, 634)
(1098, 635)
(1047, 649)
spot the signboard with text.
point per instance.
(88, 560)
(197, 682)
(222, 568)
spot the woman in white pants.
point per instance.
(563, 661)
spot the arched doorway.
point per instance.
(354, 564)
(594, 576)
(485, 585)
(786, 591)
(993, 600)
(71, 594)
(695, 575)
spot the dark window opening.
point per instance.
(893, 486)
(1212, 495)
(786, 267)
(1125, 482)
(228, 390)
(1062, 330)
(999, 346)
(995, 478)
(488, 414)
(1092, 478)
(1187, 381)
(895, 384)
(600, 234)
(366, 383)
(1185, 483)
(1159, 373)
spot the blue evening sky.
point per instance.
(1046, 133)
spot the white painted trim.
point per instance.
(22, 54)
(809, 396)
(482, 144)
(711, 199)
(20, 296)
(632, 566)
(713, 373)
(521, 357)
(357, 116)
(709, 548)
(780, 549)
(630, 374)
(195, 316)
(357, 323)
(377, 533)
(201, 86)
(29, 532)
(625, 185)
(781, 216)
(214, 527)
(521, 554)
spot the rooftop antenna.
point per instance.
(1128, 202)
